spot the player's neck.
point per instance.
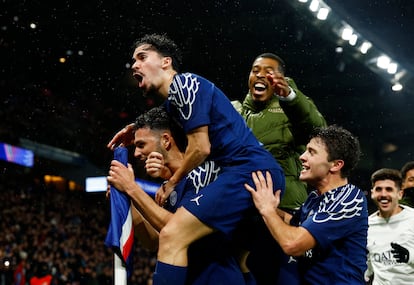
(168, 78)
(175, 159)
(331, 182)
(387, 215)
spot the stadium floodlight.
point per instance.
(397, 87)
(314, 5)
(323, 14)
(365, 47)
(347, 34)
(392, 68)
(353, 40)
(383, 61)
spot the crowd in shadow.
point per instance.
(46, 231)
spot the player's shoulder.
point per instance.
(408, 211)
(408, 208)
(372, 218)
(347, 191)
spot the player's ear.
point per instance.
(337, 164)
(166, 61)
(400, 193)
(372, 193)
(166, 140)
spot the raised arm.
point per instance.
(198, 149)
(124, 137)
(303, 114)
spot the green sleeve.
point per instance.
(303, 114)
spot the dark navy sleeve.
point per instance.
(190, 97)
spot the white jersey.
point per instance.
(381, 232)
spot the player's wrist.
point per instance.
(172, 181)
(130, 188)
(268, 211)
(167, 184)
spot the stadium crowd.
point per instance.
(46, 231)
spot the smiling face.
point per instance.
(146, 141)
(315, 162)
(386, 196)
(259, 85)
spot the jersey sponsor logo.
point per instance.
(338, 205)
(183, 92)
(386, 258)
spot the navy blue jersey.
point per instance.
(196, 102)
(338, 220)
(210, 259)
(190, 188)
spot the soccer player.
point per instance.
(329, 232)
(161, 144)
(215, 131)
(282, 118)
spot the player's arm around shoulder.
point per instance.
(293, 240)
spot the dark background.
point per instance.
(78, 105)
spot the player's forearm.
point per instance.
(290, 238)
(190, 162)
(144, 231)
(303, 114)
(154, 214)
(195, 154)
(286, 217)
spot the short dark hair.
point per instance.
(158, 119)
(340, 144)
(162, 44)
(407, 167)
(282, 64)
(387, 173)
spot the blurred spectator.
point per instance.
(42, 275)
(407, 173)
(19, 275)
(390, 233)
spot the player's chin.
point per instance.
(304, 176)
(258, 97)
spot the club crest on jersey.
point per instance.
(173, 198)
